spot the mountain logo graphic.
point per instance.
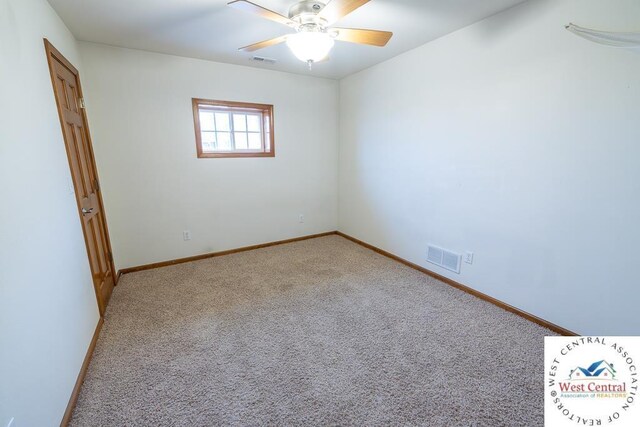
(597, 370)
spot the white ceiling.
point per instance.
(208, 29)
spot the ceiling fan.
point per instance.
(312, 20)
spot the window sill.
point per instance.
(231, 155)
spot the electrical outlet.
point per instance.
(301, 218)
(186, 235)
(468, 257)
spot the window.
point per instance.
(233, 129)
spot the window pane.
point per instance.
(206, 121)
(222, 122)
(255, 141)
(209, 137)
(241, 140)
(224, 140)
(253, 123)
(240, 122)
(208, 141)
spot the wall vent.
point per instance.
(263, 59)
(443, 258)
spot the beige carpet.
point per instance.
(319, 332)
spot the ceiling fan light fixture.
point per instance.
(310, 46)
(313, 20)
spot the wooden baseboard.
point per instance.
(83, 371)
(535, 319)
(221, 253)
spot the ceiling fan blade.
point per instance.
(337, 9)
(247, 6)
(370, 37)
(263, 44)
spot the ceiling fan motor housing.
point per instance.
(306, 14)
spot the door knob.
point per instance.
(87, 211)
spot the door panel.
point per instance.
(68, 93)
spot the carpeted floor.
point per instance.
(319, 332)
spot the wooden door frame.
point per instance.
(52, 53)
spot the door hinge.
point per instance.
(110, 257)
(81, 102)
(96, 184)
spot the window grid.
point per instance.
(233, 132)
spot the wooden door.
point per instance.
(68, 94)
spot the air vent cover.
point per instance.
(263, 59)
(443, 258)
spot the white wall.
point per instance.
(154, 186)
(516, 140)
(48, 309)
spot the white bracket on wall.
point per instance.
(607, 38)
